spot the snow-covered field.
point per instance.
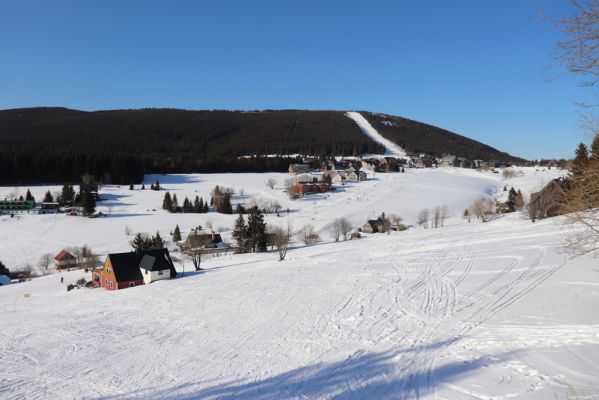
(481, 311)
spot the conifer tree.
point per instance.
(581, 160)
(511, 200)
(186, 205)
(29, 196)
(176, 234)
(196, 208)
(225, 204)
(138, 243)
(67, 195)
(167, 203)
(157, 241)
(48, 197)
(88, 203)
(256, 230)
(131, 187)
(206, 208)
(240, 232)
(174, 204)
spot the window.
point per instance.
(160, 272)
(107, 270)
(111, 284)
(131, 284)
(146, 272)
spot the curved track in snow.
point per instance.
(391, 149)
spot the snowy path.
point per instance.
(391, 149)
(461, 312)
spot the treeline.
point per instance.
(416, 137)
(120, 146)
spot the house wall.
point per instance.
(108, 280)
(152, 276)
(65, 263)
(126, 284)
(367, 228)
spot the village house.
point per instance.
(547, 202)
(48, 208)
(123, 270)
(204, 241)
(450, 161)
(65, 260)
(298, 169)
(373, 226)
(156, 267)
(312, 187)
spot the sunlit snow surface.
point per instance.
(481, 311)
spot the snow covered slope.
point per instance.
(391, 149)
(403, 194)
(468, 311)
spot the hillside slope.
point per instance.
(120, 146)
(462, 312)
(416, 137)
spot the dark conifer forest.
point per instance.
(416, 137)
(55, 145)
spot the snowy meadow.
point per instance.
(470, 310)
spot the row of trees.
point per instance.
(141, 243)
(251, 237)
(171, 204)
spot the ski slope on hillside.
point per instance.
(469, 311)
(391, 149)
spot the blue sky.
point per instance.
(474, 67)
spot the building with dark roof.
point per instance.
(123, 270)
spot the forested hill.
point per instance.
(59, 144)
(416, 137)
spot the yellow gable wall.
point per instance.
(108, 266)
